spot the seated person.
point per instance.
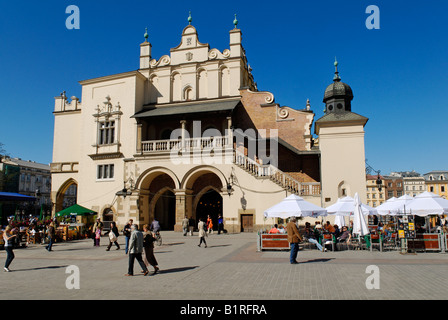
(336, 230)
(318, 228)
(310, 235)
(418, 228)
(281, 229)
(329, 228)
(345, 235)
(274, 229)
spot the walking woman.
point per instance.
(209, 224)
(202, 233)
(51, 236)
(113, 236)
(8, 238)
(148, 248)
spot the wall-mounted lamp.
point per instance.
(125, 192)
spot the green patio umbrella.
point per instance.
(75, 210)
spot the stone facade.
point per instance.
(187, 134)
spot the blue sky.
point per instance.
(397, 73)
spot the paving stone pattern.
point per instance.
(229, 269)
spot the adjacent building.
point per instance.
(375, 196)
(393, 187)
(28, 178)
(437, 182)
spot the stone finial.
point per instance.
(235, 22)
(190, 19)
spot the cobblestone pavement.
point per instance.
(230, 268)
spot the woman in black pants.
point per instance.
(113, 236)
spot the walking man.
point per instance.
(127, 235)
(220, 224)
(294, 238)
(135, 251)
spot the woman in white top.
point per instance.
(8, 238)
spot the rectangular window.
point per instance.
(442, 188)
(105, 172)
(106, 134)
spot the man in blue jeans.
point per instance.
(293, 238)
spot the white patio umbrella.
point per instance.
(339, 220)
(294, 206)
(346, 207)
(395, 206)
(359, 221)
(387, 208)
(428, 203)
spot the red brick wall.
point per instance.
(257, 113)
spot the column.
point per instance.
(183, 207)
(183, 124)
(139, 138)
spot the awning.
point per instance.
(10, 196)
(187, 108)
(75, 210)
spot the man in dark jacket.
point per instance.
(135, 251)
(293, 238)
(127, 234)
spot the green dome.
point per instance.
(338, 89)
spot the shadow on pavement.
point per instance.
(173, 243)
(317, 260)
(177, 269)
(39, 268)
(221, 245)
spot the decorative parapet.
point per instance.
(163, 61)
(62, 105)
(64, 167)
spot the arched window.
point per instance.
(188, 94)
(225, 82)
(202, 84)
(176, 87)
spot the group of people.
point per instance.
(188, 225)
(311, 235)
(138, 243)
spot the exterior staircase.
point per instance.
(281, 178)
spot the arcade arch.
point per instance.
(67, 194)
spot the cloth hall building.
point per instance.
(189, 134)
